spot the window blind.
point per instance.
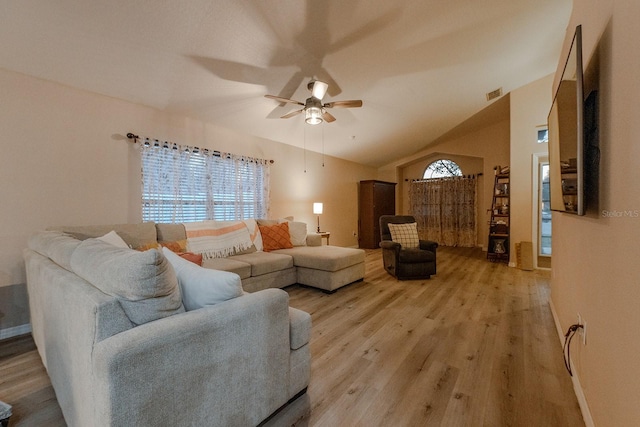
(186, 184)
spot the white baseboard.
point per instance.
(575, 379)
(15, 331)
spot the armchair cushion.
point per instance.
(405, 234)
(414, 255)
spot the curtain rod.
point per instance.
(217, 153)
(470, 176)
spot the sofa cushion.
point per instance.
(275, 236)
(265, 262)
(170, 232)
(136, 235)
(143, 282)
(327, 258)
(55, 245)
(242, 269)
(201, 287)
(405, 234)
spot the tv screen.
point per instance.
(566, 136)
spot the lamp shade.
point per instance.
(313, 115)
(317, 208)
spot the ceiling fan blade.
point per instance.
(327, 117)
(319, 89)
(291, 114)
(354, 103)
(280, 99)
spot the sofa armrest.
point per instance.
(300, 328)
(314, 239)
(428, 245)
(198, 368)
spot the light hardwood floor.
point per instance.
(473, 346)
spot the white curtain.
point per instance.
(445, 210)
(185, 184)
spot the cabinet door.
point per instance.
(365, 220)
(376, 198)
(384, 204)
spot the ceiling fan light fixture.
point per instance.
(313, 115)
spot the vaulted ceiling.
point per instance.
(420, 66)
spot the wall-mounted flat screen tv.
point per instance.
(566, 136)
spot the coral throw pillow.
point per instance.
(405, 234)
(275, 236)
(190, 256)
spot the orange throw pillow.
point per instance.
(177, 246)
(190, 256)
(275, 237)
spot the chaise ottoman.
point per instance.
(327, 267)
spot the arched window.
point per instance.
(441, 169)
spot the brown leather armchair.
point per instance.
(403, 263)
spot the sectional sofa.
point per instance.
(307, 263)
(122, 347)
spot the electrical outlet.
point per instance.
(582, 332)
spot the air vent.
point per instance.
(494, 94)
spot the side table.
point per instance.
(324, 234)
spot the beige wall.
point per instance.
(530, 107)
(595, 258)
(480, 143)
(65, 160)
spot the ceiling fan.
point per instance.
(315, 112)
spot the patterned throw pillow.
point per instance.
(175, 246)
(275, 236)
(405, 234)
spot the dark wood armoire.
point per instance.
(375, 198)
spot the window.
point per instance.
(186, 184)
(441, 169)
(543, 135)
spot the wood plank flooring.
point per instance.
(473, 346)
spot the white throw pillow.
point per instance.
(114, 239)
(405, 234)
(203, 286)
(297, 232)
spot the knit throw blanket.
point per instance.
(217, 239)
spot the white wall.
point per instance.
(595, 259)
(530, 106)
